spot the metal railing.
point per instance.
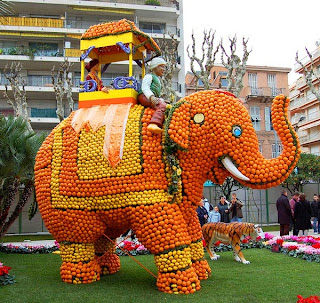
(27, 21)
(165, 3)
(264, 91)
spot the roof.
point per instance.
(120, 27)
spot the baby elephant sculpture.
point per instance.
(157, 185)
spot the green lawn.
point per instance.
(21, 238)
(270, 277)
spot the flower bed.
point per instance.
(306, 248)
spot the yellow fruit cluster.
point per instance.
(174, 260)
(92, 163)
(75, 252)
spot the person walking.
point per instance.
(202, 213)
(292, 202)
(224, 210)
(302, 215)
(315, 207)
(235, 209)
(284, 213)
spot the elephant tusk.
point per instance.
(228, 164)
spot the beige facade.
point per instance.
(305, 107)
(261, 85)
(42, 34)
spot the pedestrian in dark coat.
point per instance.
(302, 215)
(284, 213)
(224, 210)
(202, 213)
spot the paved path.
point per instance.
(51, 243)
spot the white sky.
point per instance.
(276, 28)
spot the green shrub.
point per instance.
(152, 2)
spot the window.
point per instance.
(271, 79)
(253, 83)
(260, 148)
(276, 150)
(255, 117)
(223, 81)
(267, 118)
(44, 49)
(315, 150)
(153, 28)
(313, 113)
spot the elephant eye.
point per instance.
(198, 118)
(236, 131)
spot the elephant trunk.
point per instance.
(258, 172)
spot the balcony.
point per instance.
(264, 94)
(72, 52)
(36, 22)
(306, 60)
(165, 3)
(309, 139)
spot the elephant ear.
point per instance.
(177, 127)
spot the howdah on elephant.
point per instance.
(90, 189)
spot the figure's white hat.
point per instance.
(156, 62)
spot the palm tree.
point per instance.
(19, 146)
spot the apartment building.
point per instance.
(42, 34)
(261, 85)
(305, 107)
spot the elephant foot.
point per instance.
(80, 273)
(179, 282)
(202, 269)
(110, 263)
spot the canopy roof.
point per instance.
(116, 28)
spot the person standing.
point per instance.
(315, 207)
(292, 202)
(302, 215)
(202, 213)
(284, 213)
(214, 215)
(235, 209)
(207, 204)
(224, 210)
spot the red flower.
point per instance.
(311, 299)
(245, 241)
(217, 243)
(258, 238)
(292, 247)
(316, 245)
(279, 241)
(4, 270)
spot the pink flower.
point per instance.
(268, 236)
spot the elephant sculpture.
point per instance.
(155, 189)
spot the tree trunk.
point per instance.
(21, 203)
(7, 202)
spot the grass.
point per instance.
(21, 238)
(270, 277)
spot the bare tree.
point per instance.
(169, 49)
(310, 74)
(206, 61)
(235, 66)
(62, 85)
(17, 84)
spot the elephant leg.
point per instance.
(163, 231)
(106, 256)
(78, 264)
(199, 263)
